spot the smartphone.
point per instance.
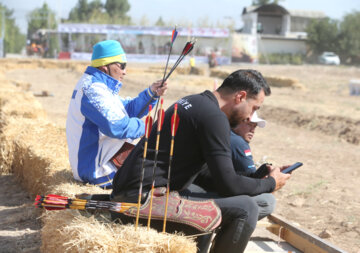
(292, 167)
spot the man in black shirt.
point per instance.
(203, 138)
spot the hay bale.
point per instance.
(188, 71)
(219, 73)
(179, 70)
(25, 86)
(36, 151)
(88, 233)
(15, 102)
(280, 81)
(274, 81)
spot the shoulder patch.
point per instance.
(247, 152)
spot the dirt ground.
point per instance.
(19, 226)
(318, 125)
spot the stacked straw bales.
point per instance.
(35, 151)
(274, 81)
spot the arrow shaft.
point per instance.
(147, 130)
(173, 132)
(159, 126)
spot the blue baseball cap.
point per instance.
(106, 52)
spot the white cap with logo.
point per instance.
(255, 119)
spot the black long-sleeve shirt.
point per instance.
(203, 136)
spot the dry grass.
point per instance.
(35, 150)
(87, 233)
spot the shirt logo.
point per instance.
(184, 103)
(247, 152)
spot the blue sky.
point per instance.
(190, 10)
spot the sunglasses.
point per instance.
(121, 65)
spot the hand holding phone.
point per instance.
(292, 167)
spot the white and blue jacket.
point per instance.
(98, 123)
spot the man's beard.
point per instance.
(234, 120)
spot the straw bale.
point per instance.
(280, 81)
(186, 71)
(69, 231)
(219, 73)
(36, 151)
(274, 81)
(15, 102)
(179, 70)
(25, 86)
(155, 69)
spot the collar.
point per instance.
(110, 82)
(211, 96)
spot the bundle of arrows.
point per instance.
(187, 49)
(56, 202)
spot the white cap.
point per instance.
(255, 119)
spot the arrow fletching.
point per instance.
(174, 119)
(161, 115)
(51, 202)
(148, 123)
(56, 197)
(190, 47)
(174, 34)
(186, 47)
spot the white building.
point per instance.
(148, 44)
(273, 29)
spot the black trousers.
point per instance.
(239, 218)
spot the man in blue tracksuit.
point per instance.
(99, 121)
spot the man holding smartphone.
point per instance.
(203, 139)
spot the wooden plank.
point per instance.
(299, 238)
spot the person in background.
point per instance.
(192, 65)
(101, 124)
(240, 139)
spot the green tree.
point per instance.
(117, 9)
(263, 2)
(83, 11)
(95, 12)
(41, 18)
(160, 22)
(323, 35)
(349, 37)
(14, 41)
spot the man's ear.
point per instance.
(240, 96)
